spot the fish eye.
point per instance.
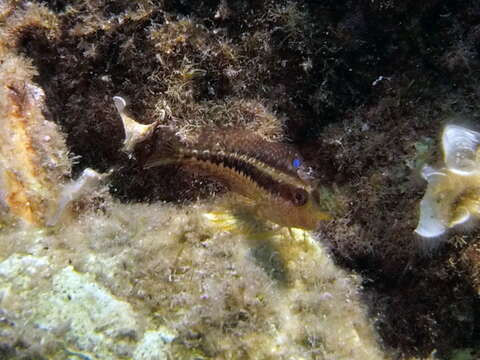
(296, 163)
(300, 197)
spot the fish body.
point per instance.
(267, 174)
(271, 177)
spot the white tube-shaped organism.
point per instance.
(87, 182)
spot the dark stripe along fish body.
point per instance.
(259, 170)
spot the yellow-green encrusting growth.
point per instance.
(195, 274)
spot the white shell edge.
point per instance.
(429, 224)
(460, 148)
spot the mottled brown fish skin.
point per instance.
(252, 167)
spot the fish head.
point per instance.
(301, 210)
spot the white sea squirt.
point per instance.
(453, 191)
(134, 131)
(86, 183)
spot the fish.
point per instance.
(271, 177)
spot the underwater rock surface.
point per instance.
(74, 311)
(33, 153)
(362, 90)
(191, 282)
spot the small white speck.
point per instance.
(379, 79)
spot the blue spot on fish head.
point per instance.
(296, 163)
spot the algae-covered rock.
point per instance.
(69, 313)
(33, 153)
(194, 283)
(361, 89)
